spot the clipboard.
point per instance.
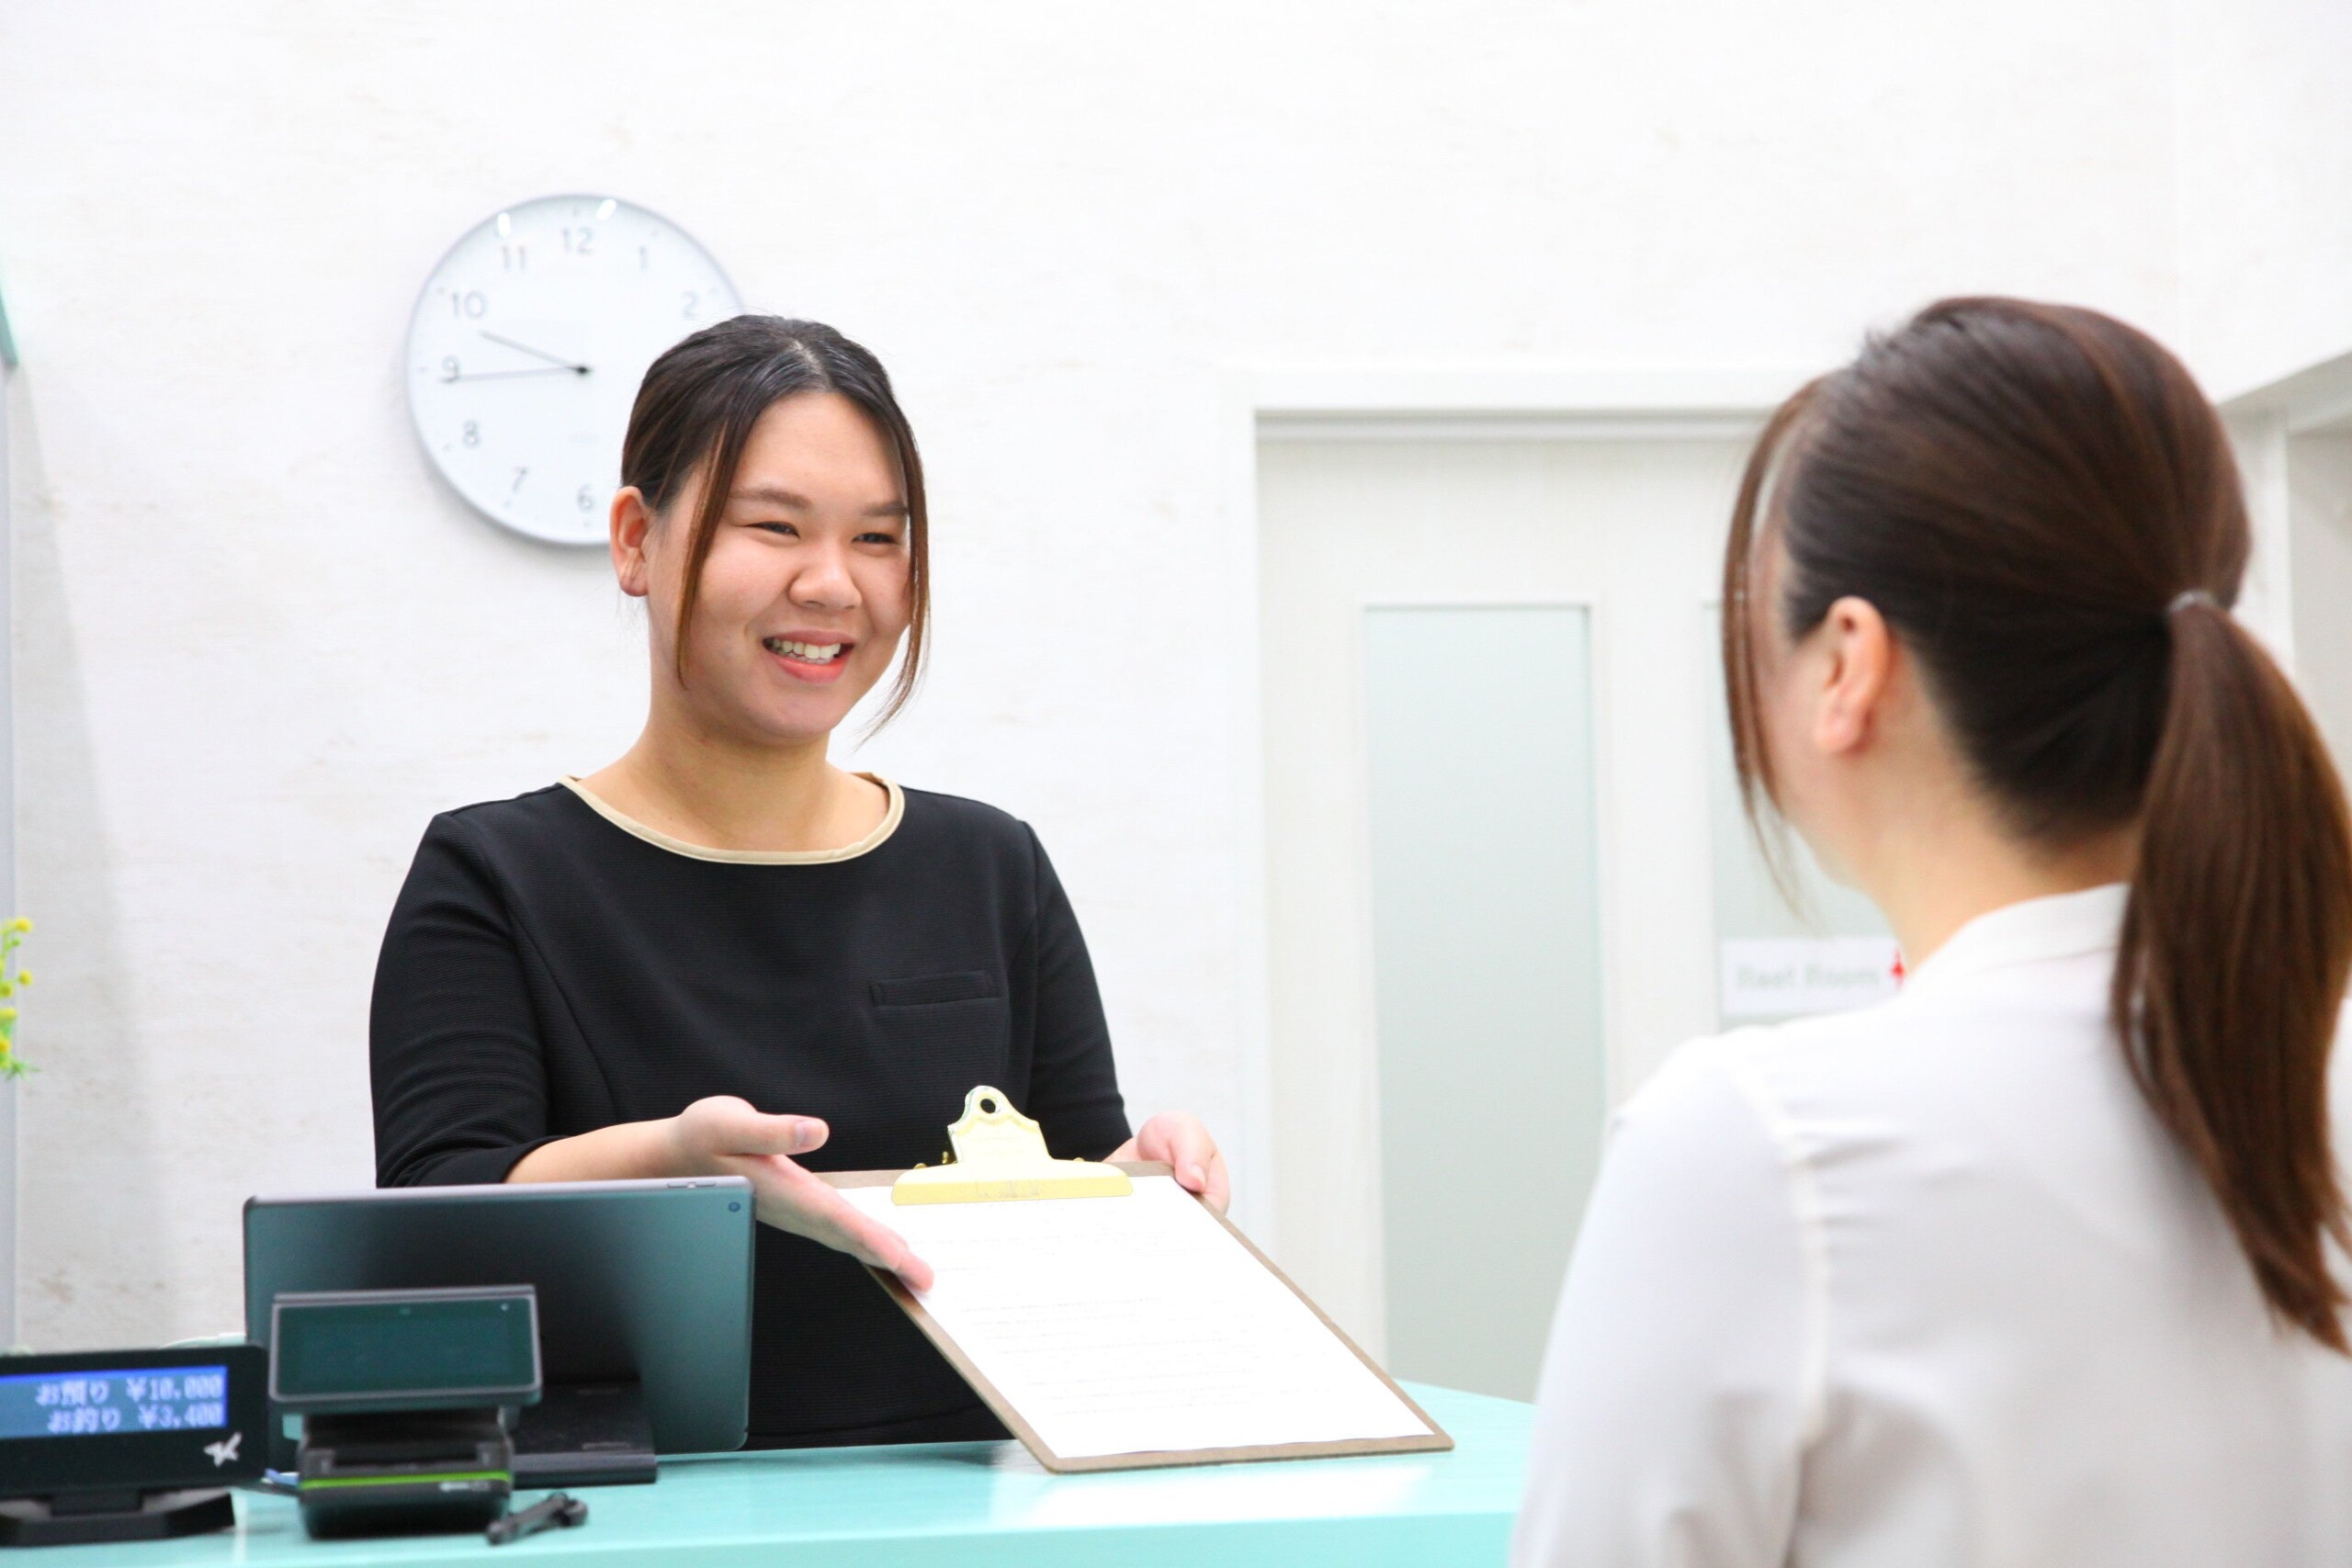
(1000, 1156)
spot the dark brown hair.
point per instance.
(2044, 507)
(695, 410)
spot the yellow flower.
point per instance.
(8, 1014)
(21, 924)
(24, 976)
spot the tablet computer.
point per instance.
(644, 1295)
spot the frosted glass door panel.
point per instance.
(1486, 965)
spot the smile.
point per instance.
(803, 652)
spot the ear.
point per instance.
(631, 530)
(1860, 654)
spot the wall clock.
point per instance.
(527, 345)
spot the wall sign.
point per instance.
(1787, 977)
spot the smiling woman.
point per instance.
(722, 953)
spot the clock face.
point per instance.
(527, 347)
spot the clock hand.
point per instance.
(537, 353)
(504, 375)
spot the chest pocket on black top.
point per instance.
(949, 1030)
(932, 990)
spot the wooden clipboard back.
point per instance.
(1435, 1440)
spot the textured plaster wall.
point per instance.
(258, 645)
(2265, 140)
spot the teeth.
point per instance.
(811, 652)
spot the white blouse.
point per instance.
(1927, 1284)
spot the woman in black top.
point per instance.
(724, 955)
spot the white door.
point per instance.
(1490, 699)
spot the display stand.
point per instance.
(79, 1519)
(591, 1434)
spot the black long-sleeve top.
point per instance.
(552, 967)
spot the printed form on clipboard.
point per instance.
(1112, 1320)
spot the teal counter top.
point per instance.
(965, 1504)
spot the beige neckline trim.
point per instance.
(660, 840)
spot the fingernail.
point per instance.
(1195, 1178)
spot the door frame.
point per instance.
(1261, 403)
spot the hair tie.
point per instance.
(2193, 596)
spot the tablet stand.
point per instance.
(585, 1434)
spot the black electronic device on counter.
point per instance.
(644, 1302)
(407, 1400)
(127, 1445)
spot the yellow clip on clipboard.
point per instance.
(1000, 1158)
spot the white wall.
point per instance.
(9, 407)
(2265, 138)
(258, 647)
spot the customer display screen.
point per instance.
(104, 1403)
(375, 1348)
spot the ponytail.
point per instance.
(2024, 491)
(2236, 948)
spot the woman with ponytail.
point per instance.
(2041, 1261)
